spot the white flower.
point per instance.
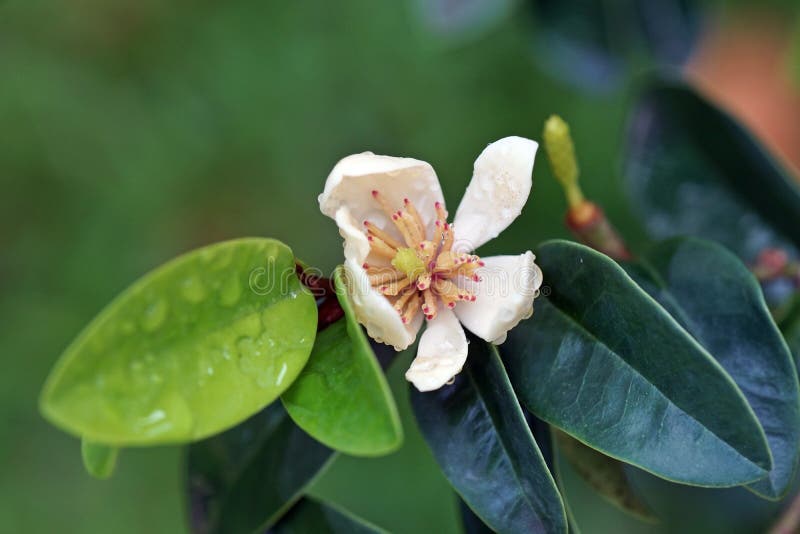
(403, 258)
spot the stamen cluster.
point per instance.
(419, 273)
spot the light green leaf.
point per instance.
(718, 301)
(601, 360)
(481, 440)
(341, 397)
(604, 474)
(99, 460)
(190, 349)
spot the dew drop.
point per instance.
(230, 292)
(193, 290)
(154, 315)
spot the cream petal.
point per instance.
(352, 180)
(375, 312)
(504, 296)
(441, 353)
(501, 183)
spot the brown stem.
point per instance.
(591, 226)
(328, 308)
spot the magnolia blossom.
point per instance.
(405, 263)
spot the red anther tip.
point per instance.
(422, 246)
(437, 204)
(374, 192)
(365, 265)
(384, 288)
(366, 223)
(451, 305)
(406, 201)
(481, 264)
(405, 320)
(369, 238)
(446, 226)
(394, 216)
(473, 298)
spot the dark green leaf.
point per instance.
(243, 480)
(603, 474)
(480, 438)
(470, 522)
(99, 460)
(693, 170)
(717, 300)
(310, 516)
(191, 349)
(591, 42)
(601, 360)
(341, 397)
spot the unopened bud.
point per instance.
(561, 153)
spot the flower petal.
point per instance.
(501, 183)
(504, 296)
(352, 180)
(441, 353)
(375, 312)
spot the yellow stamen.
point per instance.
(429, 306)
(414, 214)
(405, 231)
(448, 238)
(386, 275)
(393, 288)
(377, 232)
(380, 247)
(403, 298)
(412, 309)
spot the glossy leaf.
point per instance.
(245, 479)
(594, 43)
(601, 360)
(716, 299)
(191, 349)
(309, 516)
(341, 397)
(99, 460)
(693, 170)
(479, 436)
(603, 474)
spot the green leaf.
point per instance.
(718, 301)
(693, 170)
(603, 474)
(479, 436)
(245, 479)
(341, 397)
(601, 360)
(99, 460)
(190, 349)
(309, 516)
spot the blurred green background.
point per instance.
(134, 130)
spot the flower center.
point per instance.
(408, 262)
(421, 273)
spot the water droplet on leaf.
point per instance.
(154, 315)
